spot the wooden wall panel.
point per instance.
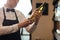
(45, 26)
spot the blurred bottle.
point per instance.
(34, 15)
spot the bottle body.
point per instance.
(37, 14)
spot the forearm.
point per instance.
(8, 29)
(31, 28)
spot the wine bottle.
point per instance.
(33, 16)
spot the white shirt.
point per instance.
(10, 15)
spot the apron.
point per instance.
(7, 22)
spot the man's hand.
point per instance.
(34, 18)
(25, 23)
(36, 14)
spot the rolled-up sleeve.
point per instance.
(8, 29)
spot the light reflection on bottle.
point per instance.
(32, 17)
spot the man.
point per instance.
(56, 20)
(11, 21)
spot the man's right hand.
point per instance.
(25, 23)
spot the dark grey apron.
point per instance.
(7, 22)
